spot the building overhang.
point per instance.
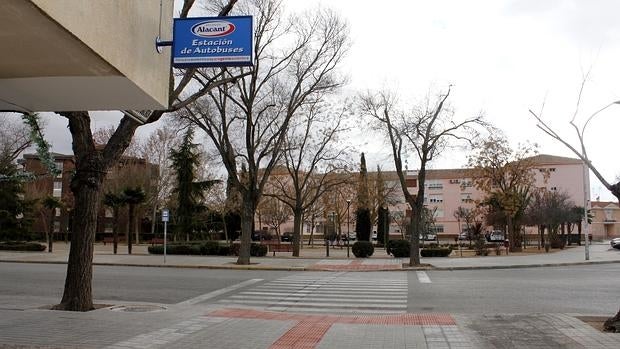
(54, 60)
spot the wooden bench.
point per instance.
(157, 241)
(110, 239)
(276, 246)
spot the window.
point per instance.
(109, 213)
(57, 190)
(466, 183)
(56, 227)
(59, 167)
(438, 213)
(108, 227)
(466, 198)
(435, 199)
(609, 214)
(553, 188)
(434, 184)
(437, 228)
(57, 213)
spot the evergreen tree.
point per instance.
(383, 225)
(12, 205)
(190, 192)
(363, 223)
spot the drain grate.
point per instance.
(138, 308)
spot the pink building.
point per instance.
(446, 190)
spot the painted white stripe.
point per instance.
(319, 304)
(423, 277)
(330, 294)
(340, 311)
(324, 299)
(219, 292)
(329, 287)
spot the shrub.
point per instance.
(435, 252)
(256, 250)
(224, 250)
(399, 248)
(22, 246)
(363, 249)
(210, 248)
(180, 249)
(157, 249)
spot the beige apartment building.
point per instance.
(446, 191)
(605, 220)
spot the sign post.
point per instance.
(165, 216)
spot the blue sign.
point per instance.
(213, 42)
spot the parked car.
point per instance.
(464, 236)
(495, 236)
(615, 243)
(286, 236)
(352, 237)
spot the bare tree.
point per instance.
(427, 130)
(102, 136)
(156, 150)
(14, 139)
(580, 151)
(314, 163)
(295, 62)
(92, 163)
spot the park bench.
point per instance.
(276, 246)
(110, 239)
(157, 241)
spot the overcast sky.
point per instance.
(502, 58)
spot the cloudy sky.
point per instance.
(502, 58)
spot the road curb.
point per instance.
(522, 266)
(291, 268)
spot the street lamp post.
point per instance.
(348, 221)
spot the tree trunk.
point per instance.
(50, 235)
(247, 215)
(115, 230)
(77, 296)
(297, 220)
(136, 227)
(132, 212)
(613, 323)
(416, 216)
(579, 233)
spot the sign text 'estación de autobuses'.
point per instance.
(212, 42)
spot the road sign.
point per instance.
(212, 42)
(165, 215)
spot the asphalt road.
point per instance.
(593, 289)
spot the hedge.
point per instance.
(209, 248)
(363, 249)
(22, 246)
(399, 248)
(435, 252)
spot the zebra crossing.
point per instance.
(335, 293)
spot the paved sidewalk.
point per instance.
(214, 322)
(314, 259)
